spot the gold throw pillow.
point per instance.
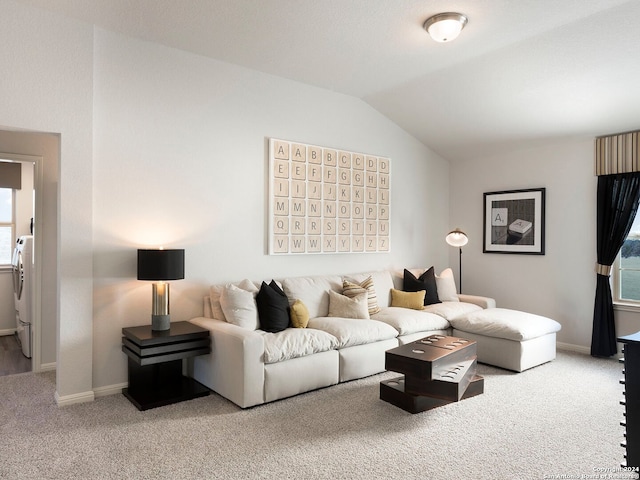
(299, 314)
(413, 300)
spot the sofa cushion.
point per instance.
(345, 307)
(451, 310)
(350, 288)
(216, 290)
(296, 342)
(352, 331)
(413, 300)
(273, 307)
(299, 314)
(313, 291)
(382, 283)
(505, 323)
(239, 307)
(447, 286)
(406, 320)
(426, 282)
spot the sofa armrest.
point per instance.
(235, 367)
(484, 302)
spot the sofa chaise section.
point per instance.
(509, 339)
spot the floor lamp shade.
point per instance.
(457, 238)
(159, 266)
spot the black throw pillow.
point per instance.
(273, 308)
(426, 281)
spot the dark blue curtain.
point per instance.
(618, 197)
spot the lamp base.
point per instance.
(160, 323)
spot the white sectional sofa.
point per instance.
(250, 366)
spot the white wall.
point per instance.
(163, 147)
(179, 158)
(46, 86)
(181, 161)
(560, 284)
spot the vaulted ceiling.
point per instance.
(521, 72)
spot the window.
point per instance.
(626, 271)
(6, 225)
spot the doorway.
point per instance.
(17, 263)
(43, 150)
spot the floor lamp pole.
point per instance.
(460, 269)
(457, 238)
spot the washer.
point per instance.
(22, 269)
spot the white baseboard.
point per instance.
(581, 349)
(75, 398)
(9, 331)
(573, 348)
(109, 389)
(47, 367)
(117, 388)
(90, 396)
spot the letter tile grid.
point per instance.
(327, 200)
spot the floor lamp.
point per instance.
(457, 238)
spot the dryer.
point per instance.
(22, 270)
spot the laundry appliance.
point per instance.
(23, 271)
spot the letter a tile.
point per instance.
(281, 150)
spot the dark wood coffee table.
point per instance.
(437, 370)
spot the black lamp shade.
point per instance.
(161, 264)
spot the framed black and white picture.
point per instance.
(514, 221)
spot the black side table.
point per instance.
(155, 363)
(631, 401)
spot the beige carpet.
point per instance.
(562, 418)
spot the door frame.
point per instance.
(36, 326)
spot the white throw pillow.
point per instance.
(345, 307)
(216, 290)
(239, 307)
(446, 285)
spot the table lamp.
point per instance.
(159, 266)
(457, 238)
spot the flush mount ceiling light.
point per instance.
(445, 27)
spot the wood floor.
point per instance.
(11, 358)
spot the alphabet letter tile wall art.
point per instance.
(327, 200)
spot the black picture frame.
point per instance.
(514, 222)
